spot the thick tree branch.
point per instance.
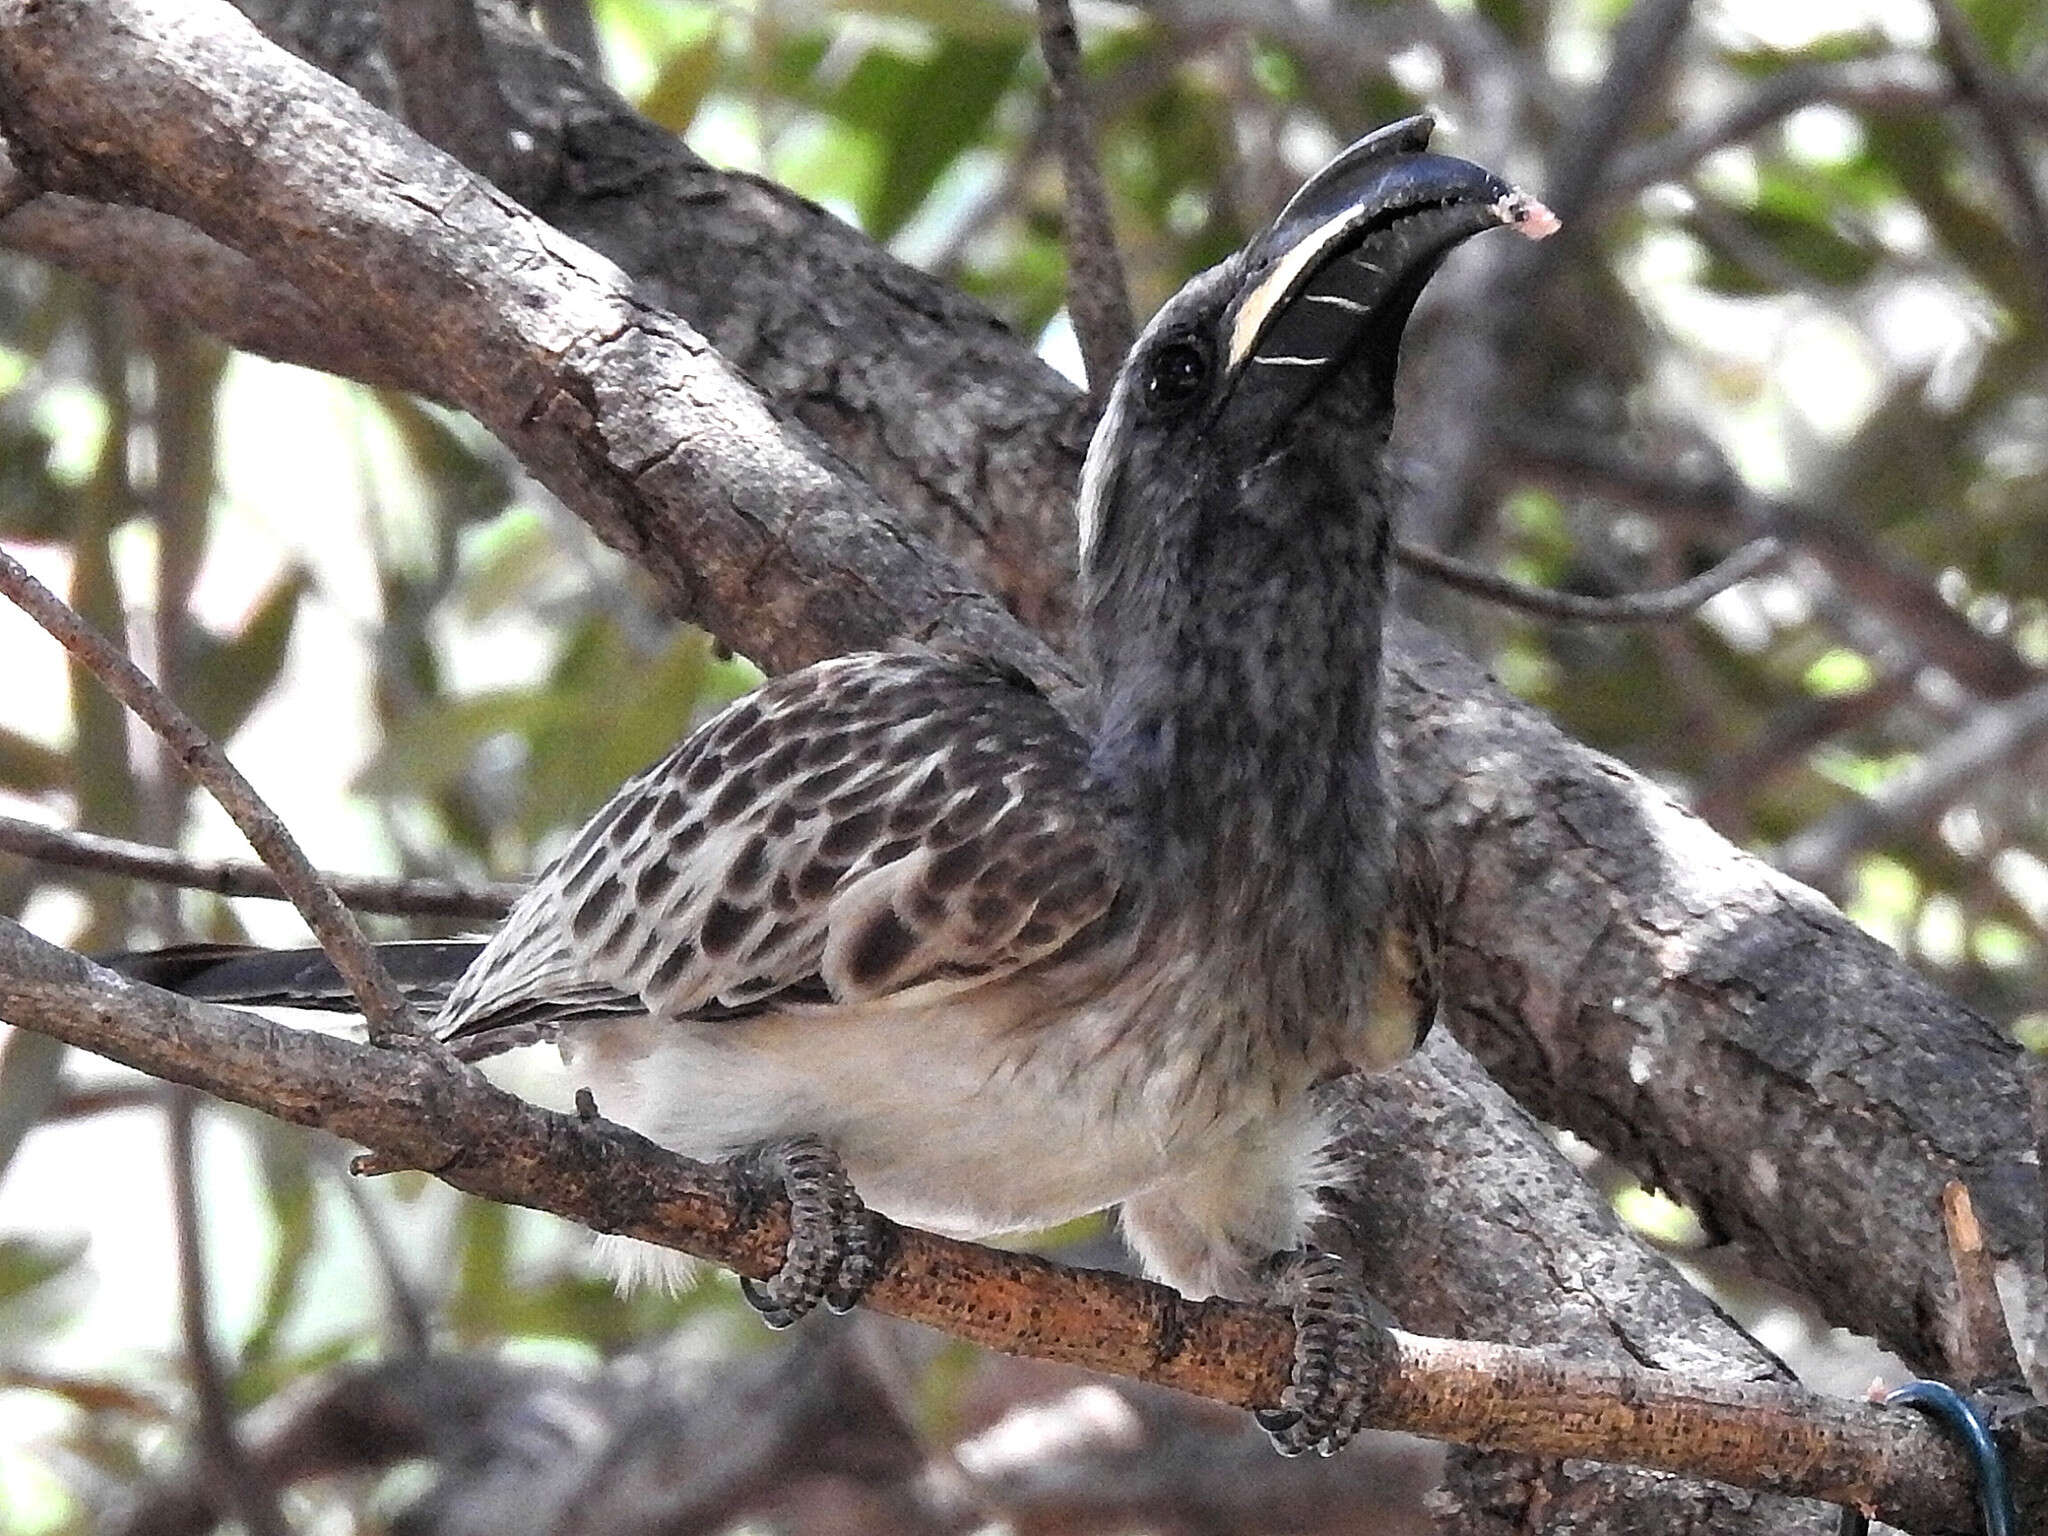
(1097, 299)
(425, 1110)
(786, 557)
(172, 269)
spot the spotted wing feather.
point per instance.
(861, 829)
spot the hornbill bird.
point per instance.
(900, 924)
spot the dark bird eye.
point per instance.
(1178, 371)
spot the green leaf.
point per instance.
(31, 1301)
(685, 78)
(30, 768)
(921, 113)
(224, 678)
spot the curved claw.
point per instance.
(1339, 1355)
(834, 1250)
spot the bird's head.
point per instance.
(1289, 345)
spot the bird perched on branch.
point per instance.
(898, 929)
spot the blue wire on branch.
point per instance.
(1956, 1414)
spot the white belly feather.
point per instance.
(1005, 1128)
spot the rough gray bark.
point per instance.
(1466, 1214)
(944, 411)
(1714, 1024)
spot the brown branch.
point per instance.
(1993, 735)
(252, 1496)
(172, 269)
(86, 1393)
(1904, 598)
(1989, 92)
(1982, 1323)
(1665, 606)
(1097, 299)
(395, 895)
(447, 91)
(384, 1007)
(425, 1110)
(1907, 83)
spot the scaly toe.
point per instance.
(834, 1249)
(1339, 1353)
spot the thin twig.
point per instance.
(385, 1010)
(85, 1392)
(1993, 735)
(392, 895)
(1663, 606)
(250, 1495)
(428, 1111)
(1906, 83)
(1985, 1351)
(1902, 596)
(1097, 300)
(1988, 90)
(408, 1313)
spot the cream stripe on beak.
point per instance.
(1259, 304)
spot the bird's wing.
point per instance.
(856, 830)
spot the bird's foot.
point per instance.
(1339, 1353)
(835, 1243)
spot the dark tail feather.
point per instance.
(426, 970)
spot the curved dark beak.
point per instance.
(1341, 266)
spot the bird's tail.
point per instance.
(426, 970)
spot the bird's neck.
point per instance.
(1238, 664)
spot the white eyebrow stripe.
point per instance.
(1292, 362)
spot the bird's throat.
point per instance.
(1239, 665)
